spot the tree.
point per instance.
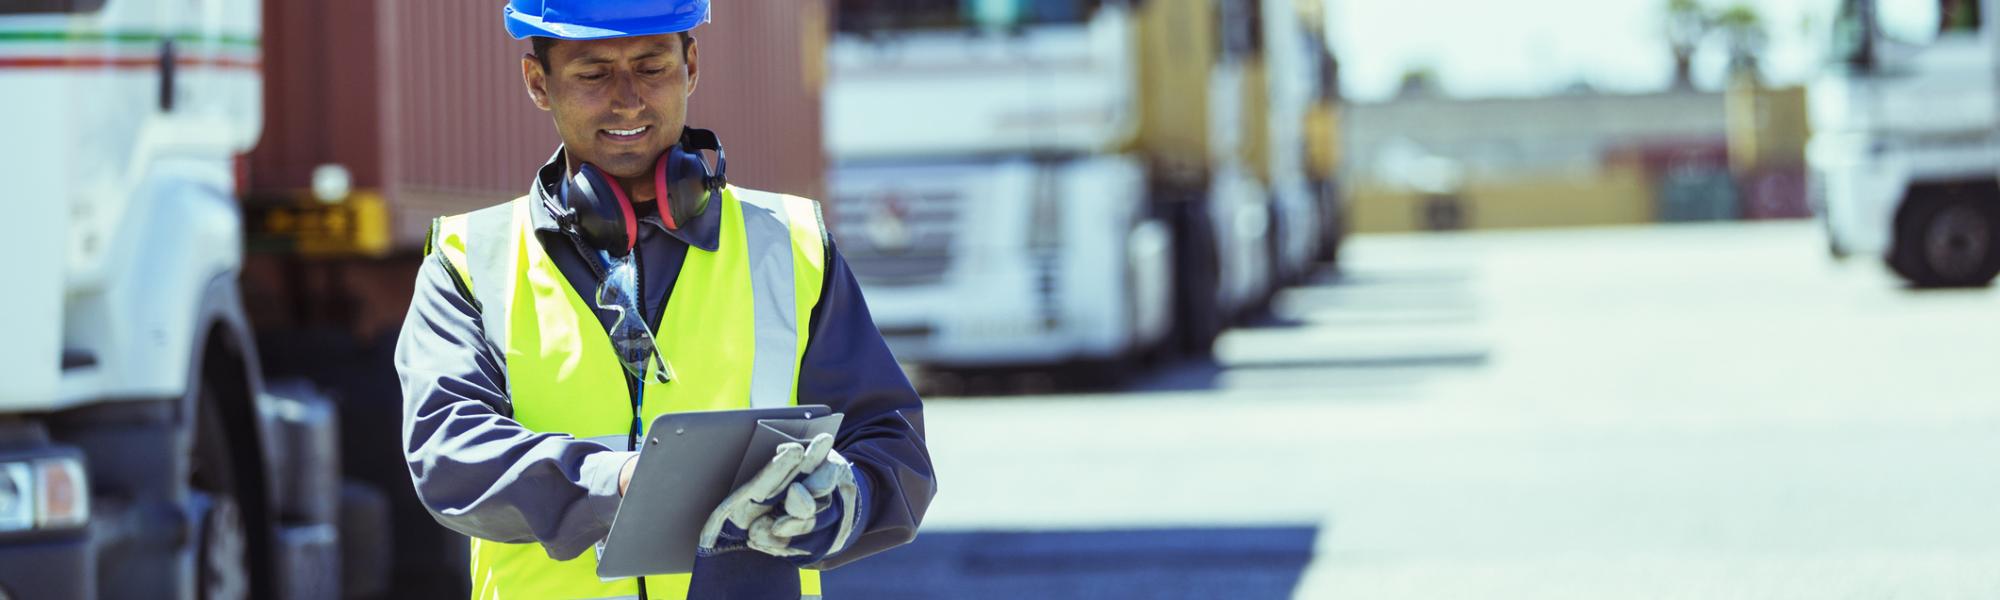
(1418, 81)
(1689, 25)
(1686, 25)
(1743, 30)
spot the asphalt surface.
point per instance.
(1698, 411)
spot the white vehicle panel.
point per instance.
(182, 233)
(31, 313)
(1242, 222)
(997, 300)
(139, 214)
(1051, 88)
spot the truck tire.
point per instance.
(222, 568)
(366, 546)
(224, 573)
(1948, 240)
(1197, 276)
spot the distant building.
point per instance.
(1579, 158)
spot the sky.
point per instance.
(1484, 48)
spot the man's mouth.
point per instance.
(625, 135)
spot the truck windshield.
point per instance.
(19, 7)
(1852, 44)
(1861, 24)
(1921, 21)
(878, 16)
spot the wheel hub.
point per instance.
(1959, 241)
(224, 572)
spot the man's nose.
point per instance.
(625, 97)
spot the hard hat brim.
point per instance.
(523, 26)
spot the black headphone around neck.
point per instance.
(593, 205)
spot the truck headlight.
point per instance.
(65, 494)
(17, 497)
(50, 493)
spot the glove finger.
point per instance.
(746, 512)
(772, 478)
(799, 502)
(764, 538)
(793, 526)
(758, 536)
(816, 452)
(821, 481)
(849, 490)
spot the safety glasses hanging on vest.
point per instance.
(595, 208)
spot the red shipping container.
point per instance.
(1657, 158)
(1775, 193)
(423, 103)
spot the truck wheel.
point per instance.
(224, 574)
(222, 560)
(1948, 241)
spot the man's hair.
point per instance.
(542, 44)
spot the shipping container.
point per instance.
(1768, 128)
(1775, 193)
(422, 104)
(1185, 39)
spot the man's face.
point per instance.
(618, 103)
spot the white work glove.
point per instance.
(784, 501)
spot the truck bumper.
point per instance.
(44, 566)
(1010, 325)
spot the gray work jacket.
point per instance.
(482, 474)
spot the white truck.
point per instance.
(1077, 182)
(140, 453)
(976, 186)
(1905, 152)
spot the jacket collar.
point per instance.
(702, 233)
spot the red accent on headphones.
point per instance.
(661, 194)
(631, 219)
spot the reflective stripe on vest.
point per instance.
(732, 333)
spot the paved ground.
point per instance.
(1713, 411)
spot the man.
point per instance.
(507, 378)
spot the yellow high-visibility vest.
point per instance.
(732, 335)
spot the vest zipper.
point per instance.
(638, 389)
(634, 386)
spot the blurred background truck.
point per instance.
(1906, 144)
(225, 210)
(1078, 182)
(142, 454)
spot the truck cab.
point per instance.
(1905, 151)
(977, 185)
(140, 454)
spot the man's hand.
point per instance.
(625, 474)
(800, 484)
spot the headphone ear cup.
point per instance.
(684, 178)
(603, 211)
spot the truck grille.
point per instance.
(897, 236)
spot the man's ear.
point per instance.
(537, 80)
(693, 66)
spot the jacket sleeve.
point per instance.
(477, 470)
(848, 367)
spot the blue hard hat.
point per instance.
(599, 19)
